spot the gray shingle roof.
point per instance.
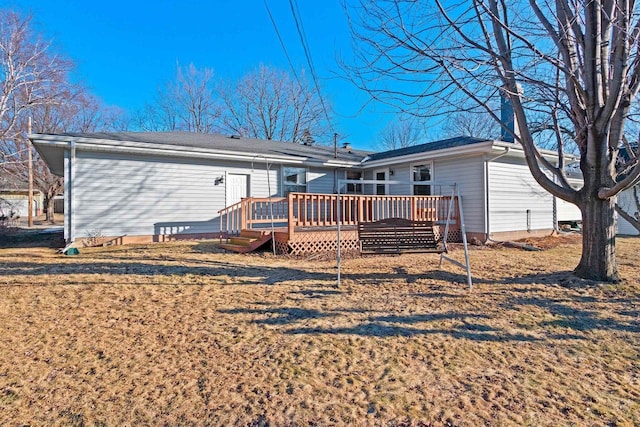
(222, 142)
(430, 146)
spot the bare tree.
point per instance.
(269, 104)
(80, 112)
(185, 104)
(569, 63)
(32, 74)
(33, 77)
(466, 123)
(402, 132)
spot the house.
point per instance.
(14, 199)
(14, 203)
(153, 186)
(629, 200)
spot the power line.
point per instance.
(307, 53)
(284, 48)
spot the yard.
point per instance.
(183, 334)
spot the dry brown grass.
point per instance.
(181, 334)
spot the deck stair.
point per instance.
(247, 241)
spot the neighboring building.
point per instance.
(154, 185)
(14, 203)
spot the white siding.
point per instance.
(467, 172)
(259, 185)
(567, 211)
(321, 181)
(401, 173)
(627, 202)
(512, 192)
(119, 195)
(67, 196)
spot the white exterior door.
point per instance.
(237, 188)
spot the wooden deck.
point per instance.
(307, 223)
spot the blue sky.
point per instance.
(124, 50)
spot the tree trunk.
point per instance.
(598, 261)
(49, 202)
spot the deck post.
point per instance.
(414, 209)
(244, 214)
(290, 222)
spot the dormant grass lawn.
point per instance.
(183, 334)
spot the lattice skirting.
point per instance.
(327, 241)
(318, 241)
(455, 235)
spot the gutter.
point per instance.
(464, 150)
(107, 145)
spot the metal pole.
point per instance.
(338, 217)
(30, 204)
(273, 232)
(463, 229)
(268, 166)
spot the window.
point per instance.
(295, 180)
(422, 173)
(354, 188)
(381, 189)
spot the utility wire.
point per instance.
(284, 48)
(307, 54)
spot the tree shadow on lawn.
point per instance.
(247, 274)
(381, 330)
(467, 325)
(564, 279)
(373, 278)
(36, 238)
(280, 315)
(315, 293)
(568, 316)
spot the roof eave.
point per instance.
(551, 155)
(108, 145)
(477, 148)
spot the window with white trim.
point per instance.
(354, 188)
(381, 189)
(423, 172)
(294, 180)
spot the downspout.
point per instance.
(554, 210)
(485, 178)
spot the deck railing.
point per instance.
(321, 210)
(251, 211)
